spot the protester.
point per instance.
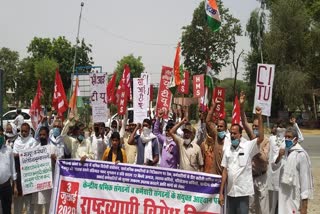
(98, 141)
(276, 143)
(131, 150)
(259, 202)
(19, 120)
(296, 127)
(201, 133)
(56, 140)
(41, 200)
(296, 182)
(23, 142)
(147, 144)
(190, 153)
(115, 153)
(237, 169)
(169, 150)
(213, 147)
(8, 174)
(10, 134)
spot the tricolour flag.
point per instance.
(213, 15)
(76, 100)
(59, 100)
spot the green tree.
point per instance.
(200, 44)
(46, 67)
(135, 64)
(9, 61)
(228, 85)
(62, 51)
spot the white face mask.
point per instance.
(146, 131)
(187, 141)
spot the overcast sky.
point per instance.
(146, 28)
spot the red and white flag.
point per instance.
(236, 119)
(59, 100)
(35, 108)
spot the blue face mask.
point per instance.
(256, 132)
(80, 138)
(221, 134)
(56, 132)
(289, 143)
(235, 142)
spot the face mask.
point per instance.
(289, 143)
(235, 142)
(9, 135)
(187, 141)
(80, 138)
(43, 141)
(256, 132)
(146, 131)
(169, 139)
(1, 141)
(221, 134)
(56, 132)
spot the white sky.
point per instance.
(111, 26)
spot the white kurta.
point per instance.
(290, 195)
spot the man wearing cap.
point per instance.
(190, 153)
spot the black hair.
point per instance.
(147, 121)
(225, 122)
(115, 135)
(45, 129)
(240, 128)
(169, 125)
(18, 111)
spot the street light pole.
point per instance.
(77, 40)
(1, 95)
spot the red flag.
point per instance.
(219, 112)
(59, 101)
(198, 85)
(111, 89)
(35, 108)
(183, 88)
(236, 111)
(126, 80)
(124, 91)
(176, 66)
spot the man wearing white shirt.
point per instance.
(19, 120)
(8, 172)
(296, 183)
(238, 169)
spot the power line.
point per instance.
(118, 36)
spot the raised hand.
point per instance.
(258, 110)
(242, 98)
(161, 113)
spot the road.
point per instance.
(312, 145)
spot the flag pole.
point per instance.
(75, 51)
(77, 39)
